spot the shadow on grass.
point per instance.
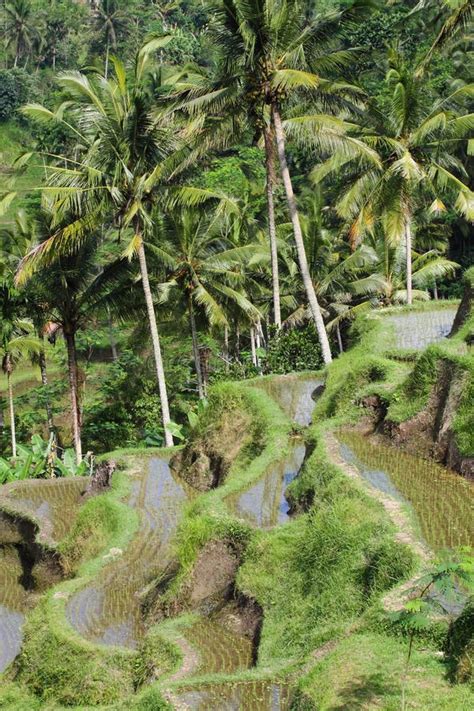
(358, 693)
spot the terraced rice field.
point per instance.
(261, 695)
(52, 504)
(109, 611)
(13, 603)
(442, 500)
(264, 505)
(417, 329)
(294, 395)
(219, 649)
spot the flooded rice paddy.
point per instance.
(53, 504)
(417, 329)
(295, 395)
(255, 695)
(108, 612)
(442, 500)
(264, 505)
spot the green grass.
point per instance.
(365, 671)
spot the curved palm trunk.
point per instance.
(70, 338)
(155, 339)
(44, 380)
(270, 168)
(295, 221)
(408, 246)
(11, 406)
(197, 361)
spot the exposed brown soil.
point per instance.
(430, 432)
(205, 462)
(101, 479)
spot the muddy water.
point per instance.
(418, 329)
(108, 612)
(219, 649)
(255, 695)
(442, 500)
(53, 504)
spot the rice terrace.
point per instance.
(236, 339)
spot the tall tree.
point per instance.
(117, 172)
(269, 50)
(417, 138)
(109, 19)
(206, 271)
(20, 29)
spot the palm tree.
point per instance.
(109, 20)
(416, 140)
(205, 269)
(120, 161)
(20, 29)
(74, 288)
(269, 51)
(15, 242)
(459, 15)
(16, 342)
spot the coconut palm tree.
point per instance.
(117, 171)
(268, 51)
(109, 19)
(20, 29)
(205, 270)
(16, 341)
(459, 14)
(416, 140)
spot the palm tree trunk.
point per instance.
(107, 61)
(252, 346)
(408, 246)
(44, 380)
(303, 262)
(339, 339)
(270, 168)
(113, 342)
(11, 408)
(226, 347)
(155, 339)
(70, 338)
(197, 361)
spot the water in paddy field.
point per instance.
(54, 504)
(294, 395)
(51, 502)
(264, 504)
(253, 695)
(442, 500)
(108, 612)
(416, 330)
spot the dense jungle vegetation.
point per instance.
(237, 180)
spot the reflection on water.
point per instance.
(418, 329)
(442, 500)
(13, 601)
(264, 505)
(294, 395)
(109, 611)
(54, 504)
(237, 696)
